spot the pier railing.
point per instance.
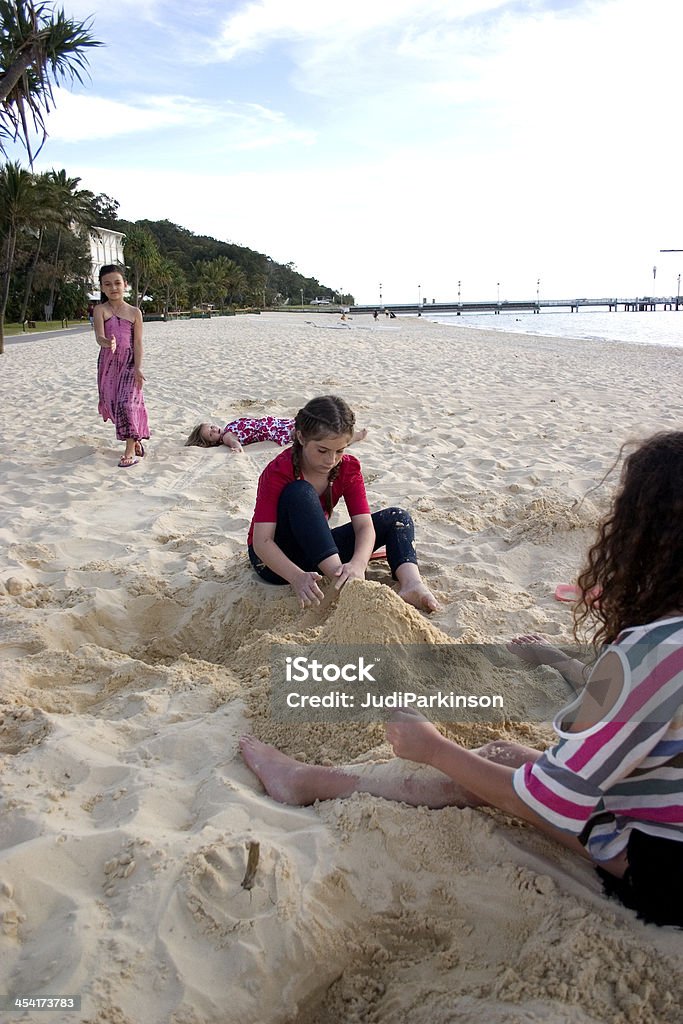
(638, 304)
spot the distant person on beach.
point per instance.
(249, 430)
(611, 788)
(290, 540)
(375, 315)
(118, 330)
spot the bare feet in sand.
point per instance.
(292, 782)
(420, 596)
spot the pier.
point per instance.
(643, 304)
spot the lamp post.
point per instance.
(302, 297)
(678, 292)
(380, 295)
(498, 287)
(419, 298)
(458, 292)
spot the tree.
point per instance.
(39, 47)
(23, 204)
(76, 212)
(142, 255)
(168, 279)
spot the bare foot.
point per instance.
(535, 650)
(420, 596)
(231, 442)
(359, 435)
(291, 782)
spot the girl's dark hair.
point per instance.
(110, 268)
(326, 416)
(634, 570)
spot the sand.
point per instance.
(134, 651)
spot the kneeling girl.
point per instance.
(290, 540)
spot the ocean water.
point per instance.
(656, 327)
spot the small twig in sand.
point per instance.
(252, 864)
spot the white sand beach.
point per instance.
(134, 651)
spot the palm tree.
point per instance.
(23, 204)
(169, 278)
(218, 276)
(76, 211)
(39, 47)
(142, 255)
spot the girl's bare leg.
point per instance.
(292, 782)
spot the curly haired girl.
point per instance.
(611, 787)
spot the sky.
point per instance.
(413, 149)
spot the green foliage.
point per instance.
(261, 276)
(39, 47)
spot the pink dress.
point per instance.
(120, 400)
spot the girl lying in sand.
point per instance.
(290, 540)
(611, 788)
(249, 430)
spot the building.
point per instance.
(106, 246)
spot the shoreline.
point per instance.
(135, 646)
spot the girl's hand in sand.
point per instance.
(139, 379)
(306, 588)
(413, 736)
(349, 571)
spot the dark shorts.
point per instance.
(653, 882)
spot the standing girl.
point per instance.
(118, 330)
(290, 540)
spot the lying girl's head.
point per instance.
(204, 435)
(637, 559)
(113, 282)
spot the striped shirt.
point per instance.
(626, 771)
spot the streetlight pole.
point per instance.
(678, 292)
(458, 292)
(302, 297)
(419, 296)
(498, 287)
(380, 294)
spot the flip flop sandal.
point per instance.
(126, 463)
(140, 449)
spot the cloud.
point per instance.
(339, 22)
(79, 117)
